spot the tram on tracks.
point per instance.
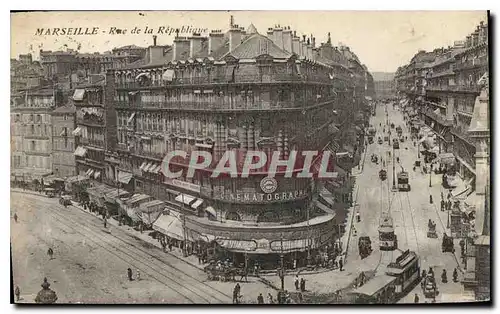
(387, 237)
(400, 277)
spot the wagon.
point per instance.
(382, 174)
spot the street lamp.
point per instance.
(46, 295)
(282, 270)
(430, 177)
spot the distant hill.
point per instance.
(382, 76)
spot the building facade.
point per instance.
(63, 141)
(455, 104)
(31, 133)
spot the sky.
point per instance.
(383, 40)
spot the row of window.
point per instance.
(33, 118)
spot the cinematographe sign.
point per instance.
(261, 197)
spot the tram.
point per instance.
(400, 277)
(387, 237)
(403, 181)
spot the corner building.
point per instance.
(237, 91)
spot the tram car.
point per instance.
(399, 130)
(447, 245)
(400, 277)
(395, 143)
(403, 181)
(387, 237)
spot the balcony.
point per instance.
(224, 105)
(238, 79)
(122, 147)
(95, 122)
(471, 88)
(92, 142)
(471, 64)
(148, 154)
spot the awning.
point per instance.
(211, 211)
(97, 174)
(78, 95)
(131, 118)
(124, 177)
(156, 169)
(172, 227)
(133, 93)
(146, 168)
(63, 132)
(185, 198)
(197, 203)
(137, 198)
(132, 214)
(446, 158)
(142, 75)
(77, 131)
(168, 75)
(152, 206)
(324, 208)
(143, 165)
(90, 172)
(80, 151)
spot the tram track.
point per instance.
(156, 268)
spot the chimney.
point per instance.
(235, 36)
(468, 41)
(309, 49)
(304, 46)
(329, 41)
(278, 37)
(194, 44)
(154, 40)
(270, 33)
(287, 40)
(483, 33)
(295, 44)
(155, 53)
(215, 40)
(313, 41)
(181, 48)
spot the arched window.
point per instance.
(233, 216)
(269, 216)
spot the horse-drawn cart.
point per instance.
(382, 174)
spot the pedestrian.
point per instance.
(443, 204)
(50, 253)
(302, 284)
(270, 298)
(431, 272)
(449, 205)
(416, 299)
(296, 282)
(455, 275)
(138, 276)
(105, 223)
(430, 199)
(17, 292)
(236, 293)
(15, 217)
(444, 277)
(260, 299)
(341, 264)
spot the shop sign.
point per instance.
(261, 197)
(268, 185)
(184, 185)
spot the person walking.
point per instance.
(129, 274)
(50, 253)
(341, 264)
(443, 204)
(105, 222)
(455, 275)
(17, 292)
(302, 284)
(15, 217)
(296, 282)
(270, 298)
(138, 276)
(236, 293)
(260, 299)
(416, 299)
(444, 277)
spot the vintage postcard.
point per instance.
(250, 157)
